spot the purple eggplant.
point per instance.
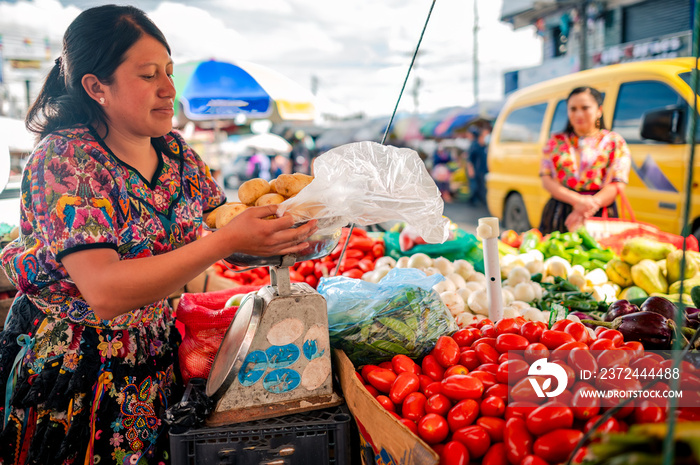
(652, 329)
(691, 311)
(694, 320)
(585, 316)
(619, 308)
(663, 307)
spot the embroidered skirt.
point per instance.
(77, 394)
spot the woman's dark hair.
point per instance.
(94, 43)
(597, 96)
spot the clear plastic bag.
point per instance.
(372, 322)
(369, 183)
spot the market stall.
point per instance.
(495, 348)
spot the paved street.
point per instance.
(463, 215)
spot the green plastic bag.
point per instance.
(464, 246)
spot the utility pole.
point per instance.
(476, 54)
(583, 43)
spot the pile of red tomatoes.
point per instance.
(471, 398)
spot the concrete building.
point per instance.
(582, 34)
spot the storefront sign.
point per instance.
(669, 47)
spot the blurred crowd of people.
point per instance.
(461, 174)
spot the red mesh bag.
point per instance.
(206, 321)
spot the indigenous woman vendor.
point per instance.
(111, 217)
(585, 167)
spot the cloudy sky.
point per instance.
(358, 51)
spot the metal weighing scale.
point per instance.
(275, 357)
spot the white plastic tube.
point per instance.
(488, 232)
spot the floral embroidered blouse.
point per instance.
(76, 195)
(586, 164)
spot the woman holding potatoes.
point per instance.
(111, 219)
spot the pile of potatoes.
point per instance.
(259, 192)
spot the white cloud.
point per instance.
(359, 50)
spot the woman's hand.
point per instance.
(586, 205)
(253, 233)
(574, 221)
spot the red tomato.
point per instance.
(475, 438)
(306, 267)
(354, 273)
(535, 351)
(404, 384)
(522, 391)
(584, 405)
(433, 388)
(401, 363)
(439, 404)
(509, 341)
(561, 325)
(570, 373)
(446, 351)
(557, 445)
(550, 416)
(311, 280)
(531, 331)
(366, 265)
(378, 249)
(488, 368)
(512, 371)
(636, 348)
(553, 339)
(456, 370)
(613, 358)
(432, 368)
(460, 387)
(612, 334)
(486, 378)
(509, 356)
(469, 360)
(410, 424)
(413, 407)
(381, 379)
(648, 412)
(582, 362)
(464, 337)
(463, 414)
(493, 406)
(387, 366)
(454, 453)
(322, 269)
(578, 331)
(562, 352)
(602, 344)
(518, 440)
(533, 460)
(366, 369)
(508, 325)
(519, 409)
(485, 340)
(432, 428)
(385, 402)
(496, 455)
(489, 331)
(494, 426)
(498, 390)
(486, 353)
(372, 390)
(425, 381)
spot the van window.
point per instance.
(559, 119)
(636, 98)
(523, 124)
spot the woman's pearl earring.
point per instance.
(102, 100)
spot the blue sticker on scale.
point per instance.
(253, 368)
(310, 349)
(282, 356)
(281, 380)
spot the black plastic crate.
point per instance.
(318, 437)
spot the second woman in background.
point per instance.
(583, 168)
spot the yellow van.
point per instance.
(648, 103)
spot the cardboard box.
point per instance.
(391, 442)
